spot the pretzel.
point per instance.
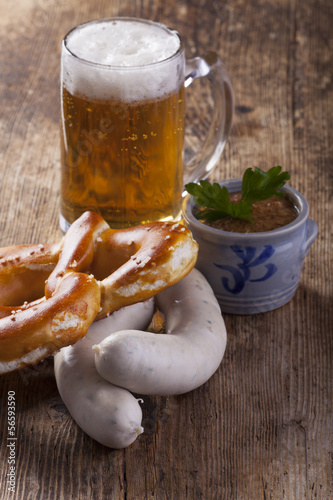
(51, 293)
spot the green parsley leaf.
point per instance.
(256, 185)
(216, 200)
(259, 185)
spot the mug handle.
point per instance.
(203, 162)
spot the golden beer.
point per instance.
(123, 160)
(122, 139)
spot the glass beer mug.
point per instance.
(123, 85)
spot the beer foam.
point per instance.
(123, 59)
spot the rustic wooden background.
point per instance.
(262, 427)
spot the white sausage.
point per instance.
(172, 363)
(109, 414)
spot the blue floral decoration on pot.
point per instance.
(242, 273)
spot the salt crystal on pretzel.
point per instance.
(93, 271)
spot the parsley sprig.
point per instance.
(256, 185)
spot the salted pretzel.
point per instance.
(51, 293)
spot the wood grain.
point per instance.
(262, 427)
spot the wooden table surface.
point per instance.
(261, 428)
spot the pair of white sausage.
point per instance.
(141, 362)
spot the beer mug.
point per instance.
(123, 84)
